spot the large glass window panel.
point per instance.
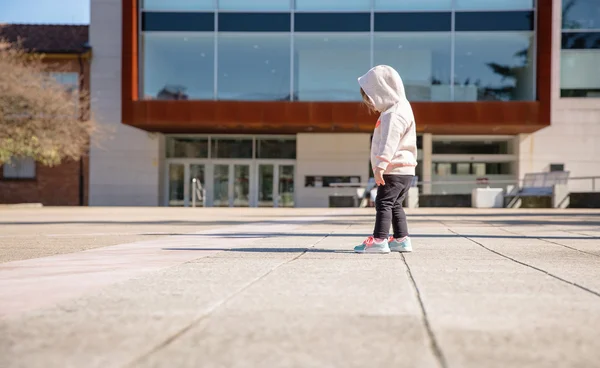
(578, 73)
(187, 147)
(422, 59)
(413, 4)
(258, 5)
(327, 65)
(177, 4)
(581, 14)
(178, 65)
(454, 147)
(493, 4)
(333, 5)
(284, 148)
(231, 148)
(494, 66)
(254, 66)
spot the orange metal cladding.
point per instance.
(279, 117)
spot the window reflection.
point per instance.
(413, 5)
(494, 66)
(178, 65)
(328, 64)
(575, 77)
(316, 5)
(422, 59)
(254, 5)
(581, 14)
(254, 66)
(177, 4)
(493, 4)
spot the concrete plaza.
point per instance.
(163, 287)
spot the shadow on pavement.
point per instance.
(267, 250)
(474, 236)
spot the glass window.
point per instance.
(326, 5)
(178, 4)
(187, 147)
(494, 66)
(176, 184)
(19, 168)
(254, 66)
(327, 65)
(494, 4)
(581, 14)
(67, 79)
(276, 148)
(178, 65)
(254, 5)
(577, 78)
(470, 147)
(413, 4)
(422, 59)
(231, 148)
(178, 22)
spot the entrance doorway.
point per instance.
(232, 183)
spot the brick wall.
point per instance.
(58, 185)
(53, 186)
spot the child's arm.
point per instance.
(393, 127)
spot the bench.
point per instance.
(552, 186)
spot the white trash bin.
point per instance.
(487, 198)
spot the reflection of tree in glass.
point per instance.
(567, 23)
(172, 92)
(510, 72)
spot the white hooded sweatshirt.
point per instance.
(394, 145)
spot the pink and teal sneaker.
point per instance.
(372, 245)
(400, 245)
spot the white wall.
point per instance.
(124, 161)
(574, 136)
(329, 154)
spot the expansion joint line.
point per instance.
(435, 346)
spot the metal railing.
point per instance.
(585, 180)
(198, 192)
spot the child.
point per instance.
(393, 157)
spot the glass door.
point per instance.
(275, 184)
(221, 186)
(231, 185)
(266, 178)
(198, 172)
(286, 186)
(240, 196)
(176, 185)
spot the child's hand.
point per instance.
(379, 176)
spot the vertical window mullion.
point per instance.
(452, 48)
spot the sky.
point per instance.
(45, 11)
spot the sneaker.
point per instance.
(371, 246)
(403, 245)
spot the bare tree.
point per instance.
(39, 117)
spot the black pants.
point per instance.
(389, 206)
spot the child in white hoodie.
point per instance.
(393, 157)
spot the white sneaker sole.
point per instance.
(374, 251)
(401, 250)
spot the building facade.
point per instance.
(258, 100)
(66, 52)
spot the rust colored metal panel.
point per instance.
(544, 59)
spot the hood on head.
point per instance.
(384, 87)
